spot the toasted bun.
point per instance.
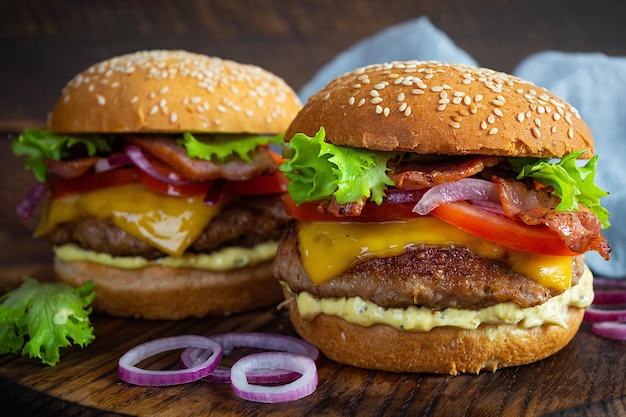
(173, 91)
(159, 292)
(443, 350)
(438, 108)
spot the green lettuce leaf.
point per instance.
(37, 319)
(572, 183)
(39, 145)
(317, 170)
(220, 147)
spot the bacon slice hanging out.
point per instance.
(70, 169)
(413, 175)
(580, 231)
(175, 155)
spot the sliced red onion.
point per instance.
(128, 372)
(596, 315)
(29, 203)
(403, 196)
(611, 330)
(231, 341)
(606, 298)
(112, 162)
(139, 159)
(463, 189)
(216, 192)
(301, 387)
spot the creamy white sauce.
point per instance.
(365, 313)
(221, 260)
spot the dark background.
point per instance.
(43, 43)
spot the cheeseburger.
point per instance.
(162, 185)
(441, 213)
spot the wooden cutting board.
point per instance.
(588, 377)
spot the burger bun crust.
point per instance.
(171, 91)
(439, 108)
(442, 350)
(160, 292)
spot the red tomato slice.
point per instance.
(502, 230)
(92, 181)
(264, 184)
(372, 212)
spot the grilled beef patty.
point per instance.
(247, 222)
(429, 276)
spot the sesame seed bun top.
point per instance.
(173, 91)
(440, 108)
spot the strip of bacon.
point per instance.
(70, 169)
(175, 155)
(580, 231)
(418, 175)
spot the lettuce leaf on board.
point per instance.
(37, 319)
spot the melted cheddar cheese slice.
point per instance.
(166, 222)
(330, 248)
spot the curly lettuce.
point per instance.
(572, 183)
(220, 147)
(37, 319)
(318, 170)
(39, 145)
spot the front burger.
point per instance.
(161, 184)
(440, 217)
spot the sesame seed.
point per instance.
(493, 131)
(553, 130)
(173, 117)
(134, 100)
(538, 122)
(374, 93)
(520, 117)
(417, 91)
(570, 133)
(407, 112)
(357, 85)
(498, 112)
(436, 88)
(351, 100)
(401, 97)
(536, 132)
(483, 125)
(249, 113)
(456, 118)
(457, 100)
(101, 100)
(491, 119)
(467, 100)
(478, 97)
(221, 108)
(556, 116)
(361, 102)
(463, 112)
(497, 103)
(164, 89)
(473, 108)
(195, 99)
(377, 100)
(379, 109)
(379, 86)
(152, 95)
(568, 118)
(441, 107)
(455, 125)
(154, 110)
(162, 103)
(403, 107)
(386, 111)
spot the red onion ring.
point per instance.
(611, 330)
(608, 298)
(596, 315)
(231, 341)
(463, 189)
(139, 159)
(216, 192)
(128, 372)
(398, 196)
(112, 162)
(28, 204)
(301, 387)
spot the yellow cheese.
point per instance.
(328, 249)
(166, 222)
(355, 310)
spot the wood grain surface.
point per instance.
(44, 43)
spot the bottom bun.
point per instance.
(160, 292)
(442, 350)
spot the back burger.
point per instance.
(162, 186)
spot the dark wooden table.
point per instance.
(44, 43)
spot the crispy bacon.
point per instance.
(580, 231)
(175, 155)
(413, 175)
(70, 169)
